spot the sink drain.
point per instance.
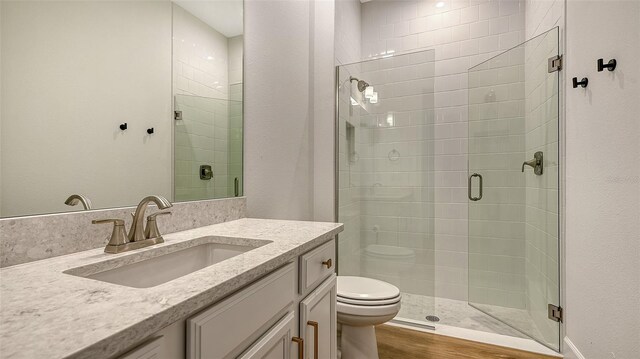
(432, 318)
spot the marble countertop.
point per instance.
(45, 313)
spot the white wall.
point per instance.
(603, 180)
(0, 111)
(347, 50)
(278, 153)
(348, 31)
(323, 109)
(289, 109)
(62, 104)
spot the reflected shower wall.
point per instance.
(386, 160)
(209, 134)
(235, 183)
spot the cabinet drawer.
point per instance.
(317, 265)
(229, 327)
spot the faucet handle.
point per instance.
(118, 236)
(152, 231)
(152, 217)
(115, 221)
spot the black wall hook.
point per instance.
(584, 82)
(150, 130)
(123, 126)
(611, 65)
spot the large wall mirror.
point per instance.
(116, 100)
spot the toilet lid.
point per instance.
(382, 250)
(362, 288)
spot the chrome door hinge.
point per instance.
(177, 115)
(555, 64)
(555, 313)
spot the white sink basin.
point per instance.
(150, 272)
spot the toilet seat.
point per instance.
(366, 291)
(368, 310)
(368, 302)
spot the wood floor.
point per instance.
(396, 343)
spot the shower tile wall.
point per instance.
(205, 65)
(496, 151)
(395, 154)
(200, 57)
(235, 140)
(463, 33)
(235, 45)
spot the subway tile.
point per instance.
(499, 25)
(451, 18)
(488, 10)
(460, 33)
(479, 29)
(469, 14)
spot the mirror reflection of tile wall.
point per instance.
(207, 67)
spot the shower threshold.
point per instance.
(460, 320)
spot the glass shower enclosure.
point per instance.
(385, 156)
(514, 266)
(393, 167)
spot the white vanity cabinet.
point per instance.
(289, 313)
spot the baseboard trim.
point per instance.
(572, 347)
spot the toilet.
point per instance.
(362, 304)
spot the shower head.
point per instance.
(362, 85)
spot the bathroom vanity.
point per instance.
(252, 289)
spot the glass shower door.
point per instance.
(385, 123)
(513, 188)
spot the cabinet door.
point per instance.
(318, 321)
(150, 350)
(276, 343)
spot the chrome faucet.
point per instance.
(138, 237)
(74, 199)
(136, 232)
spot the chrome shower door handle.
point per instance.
(480, 190)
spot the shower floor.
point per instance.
(460, 314)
